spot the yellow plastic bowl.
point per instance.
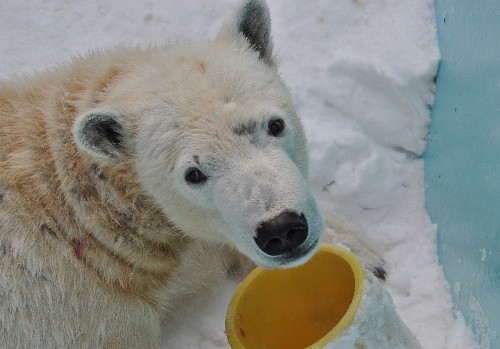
(303, 307)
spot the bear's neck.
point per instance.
(97, 212)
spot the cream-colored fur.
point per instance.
(101, 232)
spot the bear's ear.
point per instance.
(253, 21)
(100, 133)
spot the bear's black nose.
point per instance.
(282, 234)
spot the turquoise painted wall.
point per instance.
(462, 160)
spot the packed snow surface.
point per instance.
(361, 73)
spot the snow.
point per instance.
(361, 73)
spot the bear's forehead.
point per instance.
(194, 83)
(214, 97)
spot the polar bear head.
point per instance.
(215, 141)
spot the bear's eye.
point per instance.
(195, 176)
(276, 127)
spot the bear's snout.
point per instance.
(282, 234)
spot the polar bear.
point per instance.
(132, 179)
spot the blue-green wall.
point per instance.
(463, 160)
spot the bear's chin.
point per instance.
(290, 259)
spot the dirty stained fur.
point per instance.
(98, 241)
(87, 259)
